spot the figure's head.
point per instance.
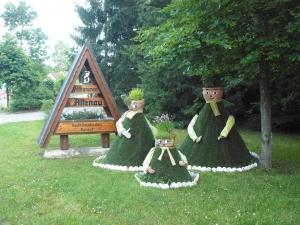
(136, 98)
(165, 142)
(212, 94)
(136, 105)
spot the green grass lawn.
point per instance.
(34, 190)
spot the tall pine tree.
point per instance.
(109, 26)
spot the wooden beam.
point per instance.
(92, 63)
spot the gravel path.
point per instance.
(21, 116)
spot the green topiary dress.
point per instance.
(228, 152)
(127, 154)
(131, 152)
(165, 172)
(164, 166)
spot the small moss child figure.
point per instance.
(135, 137)
(165, 166)
(213, 143)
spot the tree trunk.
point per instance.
(265, 112)
(106, 44)
(7, 97)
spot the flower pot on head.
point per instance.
(136, 105)
(212, 94)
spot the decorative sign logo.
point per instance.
(86, 78)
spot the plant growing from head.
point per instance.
(136, 94)
(164, 126)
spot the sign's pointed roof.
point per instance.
(84, 58)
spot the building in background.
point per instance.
(56, 75)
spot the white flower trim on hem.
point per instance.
(168, 186)
(222, 169)
(225, 169)
(96, 163)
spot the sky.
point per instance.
(57, 18)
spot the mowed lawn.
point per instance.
(34, 190)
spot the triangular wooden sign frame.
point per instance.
(84, 58)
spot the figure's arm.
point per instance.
(119, 124)
(120, 128)
(183, 160)
(148, 159)
(191, 131)
(229, 124)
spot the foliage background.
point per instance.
(172, 48)
(22, 56)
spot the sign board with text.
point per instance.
(84, 105)
(91, 126)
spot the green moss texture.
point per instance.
(165, 172)
(211, 152)
(131, 152)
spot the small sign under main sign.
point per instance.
(77, 127)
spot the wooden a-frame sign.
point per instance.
(98, 94)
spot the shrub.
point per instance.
(30, 98)
(83, 115)
(164, 125)
(136, 94)
(47, 105)
(58, 84)
(23, 103)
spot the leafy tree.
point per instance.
(37, 44)
(30, 92)
(58, 84)
(166, 90)
(244, 43)
(14, 65)
(61, 56)
(18, 20)
(22, 68)
(22, 76)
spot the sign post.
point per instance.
(64, 142)
(105, 140)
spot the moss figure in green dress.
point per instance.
(135, 138)
(165, 166)
(213, 143)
